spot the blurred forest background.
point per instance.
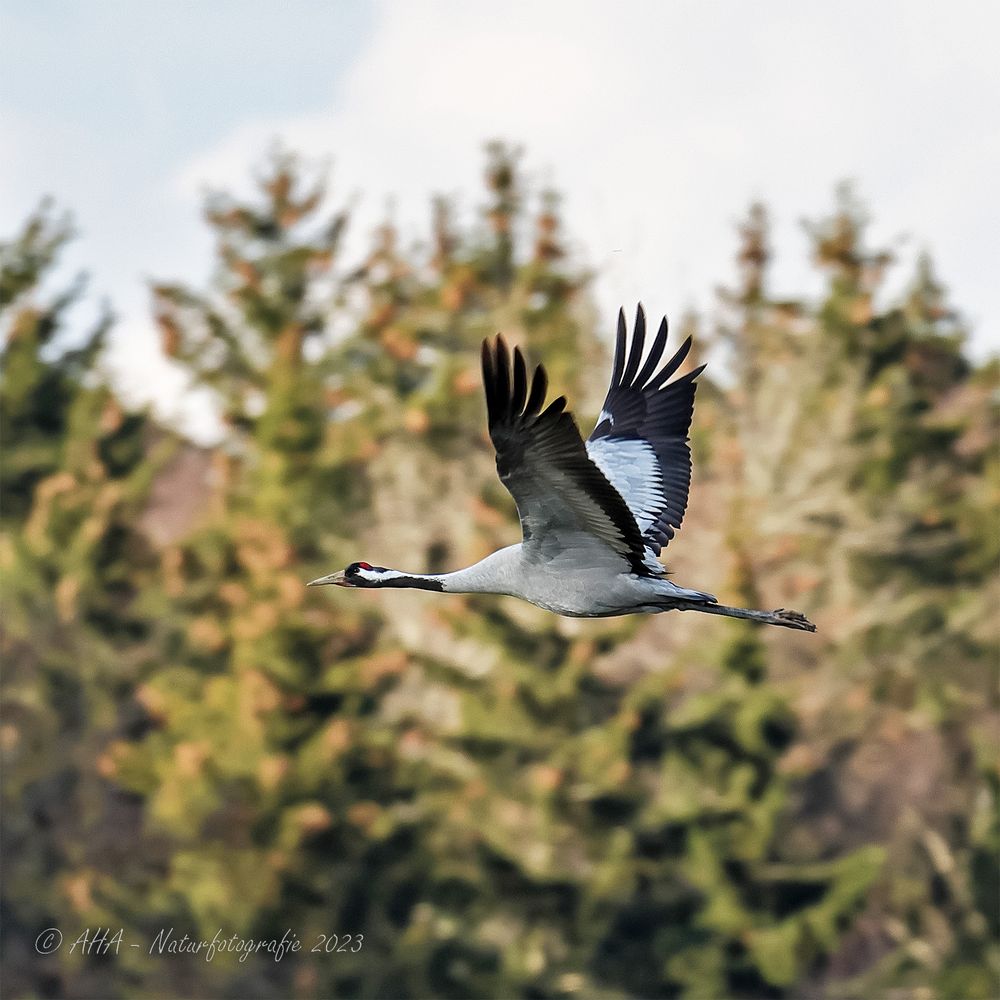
(502, 802)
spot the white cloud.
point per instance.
(661, 122)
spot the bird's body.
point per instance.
(564, 584)
(595, 514)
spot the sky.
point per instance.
(659, 123)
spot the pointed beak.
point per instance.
(337, 579)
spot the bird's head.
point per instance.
(358, 574)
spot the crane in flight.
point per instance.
(594, 514)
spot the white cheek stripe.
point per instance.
(386, 574)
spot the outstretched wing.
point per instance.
(640, 442)
(565, 503)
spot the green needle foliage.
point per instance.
(77, 470)
(869, 472)
(478, 798)
(42, 376)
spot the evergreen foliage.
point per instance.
(491, 800)
(77, 468)
(42, 376)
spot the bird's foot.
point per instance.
(793, 619)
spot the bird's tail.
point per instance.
(672, 592)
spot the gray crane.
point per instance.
(594, 514)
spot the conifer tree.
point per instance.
(864, 464)
(77, 467)
(457, 782)
(38, 388)
(284, 712)
(476, 797)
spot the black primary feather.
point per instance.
(543, 462)
(645, 405)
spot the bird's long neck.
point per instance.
(488, 576)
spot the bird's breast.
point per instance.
(582, 594)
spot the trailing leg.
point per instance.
(786, 619)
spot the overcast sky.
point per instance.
(659, 122)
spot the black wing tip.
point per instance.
(654, 375)
(661, 379)
(519, 391)
(510, 393)
(628, 352)
(496, 378)
(689, 377)
(493, 350)
(653, 357)
(539, 389)
(635, 348)
(621, 338)
(558, 405)
(488, 363)
(487, 355)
